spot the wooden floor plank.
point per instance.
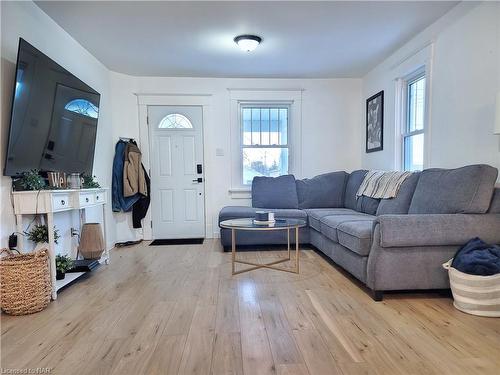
(178, 310)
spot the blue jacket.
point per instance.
(120, 203)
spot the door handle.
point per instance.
(198, 180)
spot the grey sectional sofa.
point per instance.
(389, 244)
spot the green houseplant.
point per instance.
(63, 263)
(89, 182)
(32, 180)
(40, 234)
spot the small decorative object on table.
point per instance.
(63, 263)
(264, 217)
(74, 181)
(92, 241)
(89, 182)
(25, 285)
(32, 180)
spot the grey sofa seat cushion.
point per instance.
(449, 191)
(315, 214)
(239, 212)
(401, 203)
(495, 202)
(329, 224)
(274, 192)
(356, 236)
(353, 182)
(325, 190)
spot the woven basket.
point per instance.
(24, 282)
(472, 294)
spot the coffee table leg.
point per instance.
(233, 248)
(288, 242)
(297, 249)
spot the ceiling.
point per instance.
(301, 39)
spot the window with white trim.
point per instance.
(264, 141)
(413, 130)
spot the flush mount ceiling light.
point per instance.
(247, 42)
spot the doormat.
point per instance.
(177, 241)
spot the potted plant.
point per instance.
(63, 263)
(89, 182)
(31, 180)
(40, 235)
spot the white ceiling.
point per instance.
(195, 39)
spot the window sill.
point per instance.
(240, 193)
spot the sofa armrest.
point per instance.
(437, 229)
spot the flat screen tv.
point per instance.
(53, 122)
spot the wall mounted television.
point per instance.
(54, 115)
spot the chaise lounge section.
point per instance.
(388, 244)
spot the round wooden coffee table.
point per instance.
(280, 224)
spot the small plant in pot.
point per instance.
(31, 180)
(40, 235)
(63, 263)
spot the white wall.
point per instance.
(26, 20)
(465, 78)
(331, 137)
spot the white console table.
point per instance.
(50, 202)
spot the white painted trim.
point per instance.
(293, 98)
(409, 67)
(203, 100)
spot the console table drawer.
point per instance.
(100, 197)
(61, 202)
(87, 199)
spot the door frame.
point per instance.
(201, 100)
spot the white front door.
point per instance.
(177, 182)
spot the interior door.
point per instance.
(177, 182)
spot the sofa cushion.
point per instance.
(274, 192)
(367, 205)
(356, 236)
(315, 214)
(239, 212)
(353, 182)
(325, 190)
(401, 202)
(449, 191)
(495, 202)
(329, 224)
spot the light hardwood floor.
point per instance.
(178, 310)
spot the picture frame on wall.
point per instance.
(375, 122)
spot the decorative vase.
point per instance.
(60, 275)
(91, 241)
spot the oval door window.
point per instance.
(175, 121)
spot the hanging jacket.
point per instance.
(133, 174)
(119, 201)
(141, 206)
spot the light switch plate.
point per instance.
(219, 152)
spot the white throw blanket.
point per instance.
(382, 184)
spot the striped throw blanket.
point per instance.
(382, 184)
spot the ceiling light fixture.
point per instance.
(247, 42)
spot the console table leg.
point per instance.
(106, 250)
(52, 253)
(20, 240)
